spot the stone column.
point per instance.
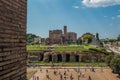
(72, 57)
(80, 57)
(63, 57)
(46, 57)
(54, 57)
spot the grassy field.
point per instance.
(73, 63)
(36, 47)
(61, 48)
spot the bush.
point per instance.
(115, 64)
(108, 59)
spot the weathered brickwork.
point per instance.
(13, 39)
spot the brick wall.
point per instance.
(13, 39)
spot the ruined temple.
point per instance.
(59, 37)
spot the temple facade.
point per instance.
(62, 37)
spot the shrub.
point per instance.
(108, 59)
(115, 64)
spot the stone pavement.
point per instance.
(85, 73)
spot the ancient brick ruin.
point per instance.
(13, 39)
(66, 56)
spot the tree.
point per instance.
(109, 58)
(30, 38)
(97, 36)
(115, 64)
(118, 38)
(87, 38)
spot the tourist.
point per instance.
(93, 70)
(71, 77)
(64, 77)
(54, 72)
(78, 76)
(37, 78)
(40, 70)
(60, 76)
(101, 69)
(89, 78)
(46, 71)
(83, 75)
(47, 77)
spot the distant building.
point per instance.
(55, 36)
(37, 40)
(43, 41)
(58, 37)
(71, 37)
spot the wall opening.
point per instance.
(59, 57)
(50, 57)
(77, 58)
(41, 57)
(67, 57)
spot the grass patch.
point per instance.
(67, 48)
(36, 47)
(60, 48)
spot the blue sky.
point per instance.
(81, 16)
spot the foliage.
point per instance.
(118, 38)
(30, 38)
(108, 59)
(115, 64)
(36, 47)
(100, 49)
(61, 48)
(97, 36)
(88, 37)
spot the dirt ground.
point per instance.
(72, 73)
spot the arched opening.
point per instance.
(50, 57)
(77, 58)
(67, 57)
(59, 58)
(41, 57)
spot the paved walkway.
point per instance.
(85, 73)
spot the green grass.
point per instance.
(61, 48)
(36, 47)
(68, 48)
(73, 63)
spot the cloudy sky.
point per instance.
(81, 16)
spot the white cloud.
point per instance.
(118, 16)
(100, 3)
(76, 7)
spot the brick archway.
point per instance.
(50, 58)
(67, 57)
(59, 58)
(77, 58)
(41, 57)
